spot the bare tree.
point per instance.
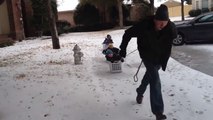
(152, 6)
(120, 12)
(52, 26)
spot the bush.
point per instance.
(95, 27)
(86, 14)
(204, 10)
(114, 13)
(6, 42)
(63, 26)
(39, 20)
(193, 13)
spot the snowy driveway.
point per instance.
(39, 83)
(196, 56)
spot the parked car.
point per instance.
(199, 29)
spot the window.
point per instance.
(207, 18)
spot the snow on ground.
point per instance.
(41, 83)
(205, 47)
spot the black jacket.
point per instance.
(154, 46)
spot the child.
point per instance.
(112, 54)
(108, 40)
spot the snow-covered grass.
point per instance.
(41, 83)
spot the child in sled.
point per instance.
(112, 54)
(108, 40)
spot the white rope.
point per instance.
(135, 77)
(131, 52)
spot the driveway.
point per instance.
(198, 57)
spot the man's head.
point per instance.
(161, 17)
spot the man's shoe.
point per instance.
(139, 99)
(160, 116)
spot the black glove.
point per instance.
(122, 53)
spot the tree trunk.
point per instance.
(152, 7)
(52, 26)
(120, 12)
(182, 9)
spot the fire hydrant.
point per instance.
(77, 54)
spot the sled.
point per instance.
(115, 67)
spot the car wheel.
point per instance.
(179, 40)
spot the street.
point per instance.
(196, 56)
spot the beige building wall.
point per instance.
(4, 20)
(176, 11)
(68, 16)
(197, 4)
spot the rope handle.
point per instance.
(131, 52)
(135, 77)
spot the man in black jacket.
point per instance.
(154, 40)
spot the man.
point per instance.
(154, 40)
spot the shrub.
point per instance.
(63, 26)
(204, 10)
(95, 27)
(193, 13)
(6, 42)
(114, 13)
(39, 20)
(86, 14)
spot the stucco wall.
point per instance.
(68, 16)
(198, 4)
(176, 11)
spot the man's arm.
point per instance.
(168, 46)
(129, 33)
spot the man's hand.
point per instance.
(122, 53)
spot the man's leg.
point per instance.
(145, 81)
(156, 99)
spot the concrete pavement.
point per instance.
(195, 58)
